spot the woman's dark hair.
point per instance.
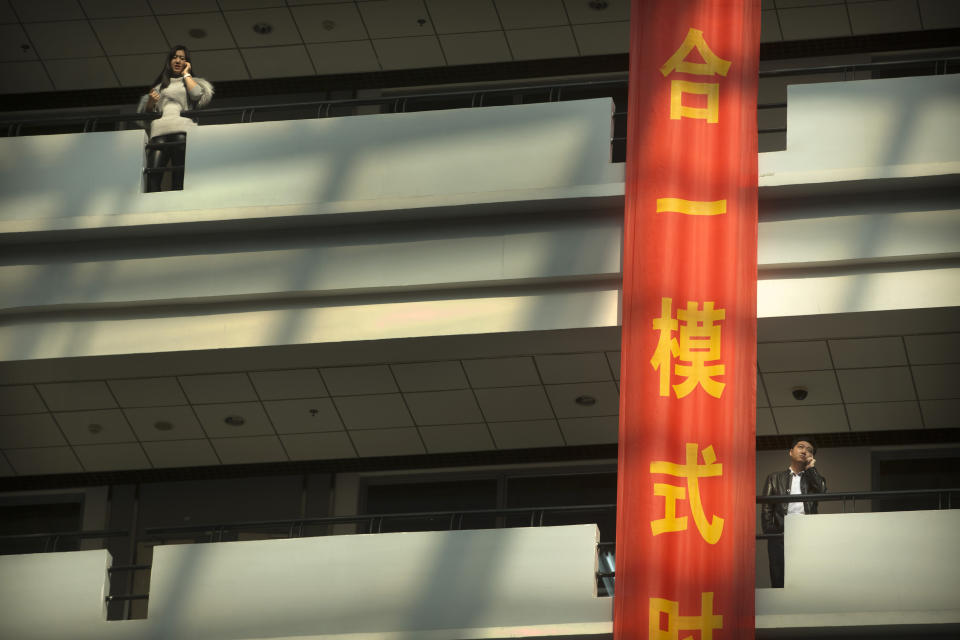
(165, 74)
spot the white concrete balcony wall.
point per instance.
(462, 222)
(498, 583)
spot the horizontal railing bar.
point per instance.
(132, 596)
(113, 533)
(128, 567)
(829, 497)
(390, 99)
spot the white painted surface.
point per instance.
(867, 569)
(433, 585)
(868, 129)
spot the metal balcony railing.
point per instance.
(428, 520)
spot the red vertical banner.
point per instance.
(686, 508)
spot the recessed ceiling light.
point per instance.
(586, 401)
(94, 427)
(263, 28)
(234, 421)
(328, 25)
(163, 425)
(599, 5)
(197, 33)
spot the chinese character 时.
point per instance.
(705, 623)
(713, 65)
(692, 471)
(696, 346)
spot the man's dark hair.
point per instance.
(796, 439)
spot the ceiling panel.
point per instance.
(305, 415)
(115, 8)
(282, 31)
(531, 13)
(582, 12)
(288, 384)
(218, 387)
(318, 446)
(387, 442)
(827, 418)
(81, 73)
(329, 22)
(443, 407)
(223, 65)
(251, 450)
(64, 39)
(344, 57)
(821, 387)
(373, 412)
(65, 396)
(137, 70)
(793, 356)
(933, 348)
(462, 16)
(347, 381)
(164, 423)
(6, 13)
(182, 6)
(809, 23)
(5, 468)
(236, 5)
(14, 44)
(29, 430)
(475, 48)
(409, 53)
(46, 460)
(213, 418)
(536, 44)
(526, 434)
(573, 367)
(147, 392)
(868, 352)
(941, 414)
(24, 77)
(20, 399)
(876, 385)
(563, 397)
(591, 430)
(112, 457)
(132, 35)
(95, 427)
(613, 357)
(603, 38)
(877, 416)
(514, 403)
(940, 14)
(430, 376)
(770, 27)
(501, 372)
(181, 453)
(762, 400)
(34, 11)
(457, 437)
(178, 27)
(884, 16)
(396, 18)
(766, 426)
(937, 381)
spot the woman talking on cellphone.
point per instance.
(175, 90)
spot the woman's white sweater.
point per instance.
(174, 99)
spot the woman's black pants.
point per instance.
(172, 150)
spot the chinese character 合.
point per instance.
(692, 471)
(711, 66)
(705, 623)
(697, 343)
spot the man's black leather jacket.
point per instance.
(778, 484)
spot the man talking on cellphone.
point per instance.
(799, 478)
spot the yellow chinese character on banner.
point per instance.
(692, 471)
(705, 623)
(697, 343)
(711, 66)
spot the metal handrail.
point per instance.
(400, 103)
